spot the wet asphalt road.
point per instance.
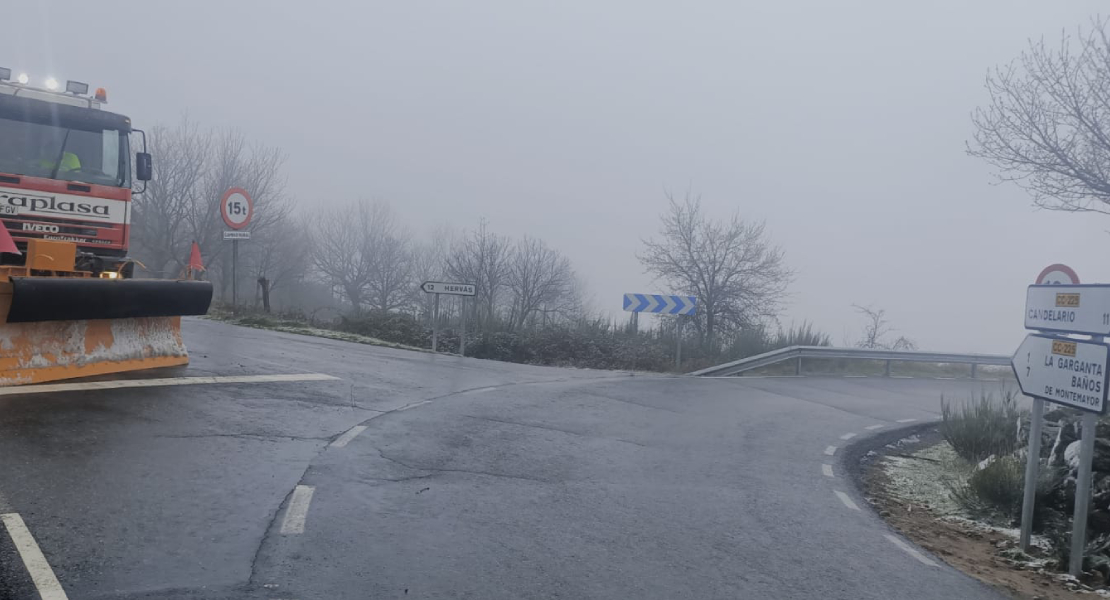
(472, 479)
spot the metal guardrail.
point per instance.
(798, 353)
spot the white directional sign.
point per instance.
(454, 289)
(1062, 370)
(237, 235)
(1068, 308)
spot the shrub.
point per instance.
(999, 487)
(980, 428)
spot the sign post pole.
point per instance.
(435, 323)
(1032, 464)
(462, 327)
(234, 277)
(678, 343)
(1082, 494)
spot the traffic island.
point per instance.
(967, 513)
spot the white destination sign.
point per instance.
(1068, 308)
(455, 289)
(1062, 370)
(237, 235)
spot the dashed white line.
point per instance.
(295, 515)
(854, 376)
(161, 382)
(873, 427)
(847, 436)
(846, 500)
(905, 420)
(911, 551)
(826, 470)
(830, 450)
(41, 574)
(346, 438)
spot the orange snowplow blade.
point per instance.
(50, 350)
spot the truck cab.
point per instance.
(65, 172)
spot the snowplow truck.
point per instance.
(69, 304)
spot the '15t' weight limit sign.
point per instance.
(236, 207)
(1062, 370)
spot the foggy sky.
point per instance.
(842, 124)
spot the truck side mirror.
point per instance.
(143, 166)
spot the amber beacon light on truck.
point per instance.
(69, 303)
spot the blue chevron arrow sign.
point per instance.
(663, 305)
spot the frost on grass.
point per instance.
(333, 335)
(926, 476)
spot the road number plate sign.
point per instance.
(1068, 308)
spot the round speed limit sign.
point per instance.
(236, 208)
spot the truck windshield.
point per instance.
(41, 150)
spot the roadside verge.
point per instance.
(903, 474)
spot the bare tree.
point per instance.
(255, 168)
(876, 329)
(160, 224)
(737, 274)
(537, 276)
(194, 167)
(277, 257)
(362, 251)
(481, 257)
(1047, 125)
(339, 249)
(391, 276)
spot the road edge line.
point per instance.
(910, 550)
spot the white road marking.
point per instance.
(413, 405)
(478, 391)
(846, 500)
(41, 574)
(901, 376)
(945, 378)
(346, 438)
(905, 420)
(873, 427)
(742, 377)
(165, 381)
(295, 515)
(847, 436)
(911, 551)
(854, 376)
(826, 470)
(830, 450)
